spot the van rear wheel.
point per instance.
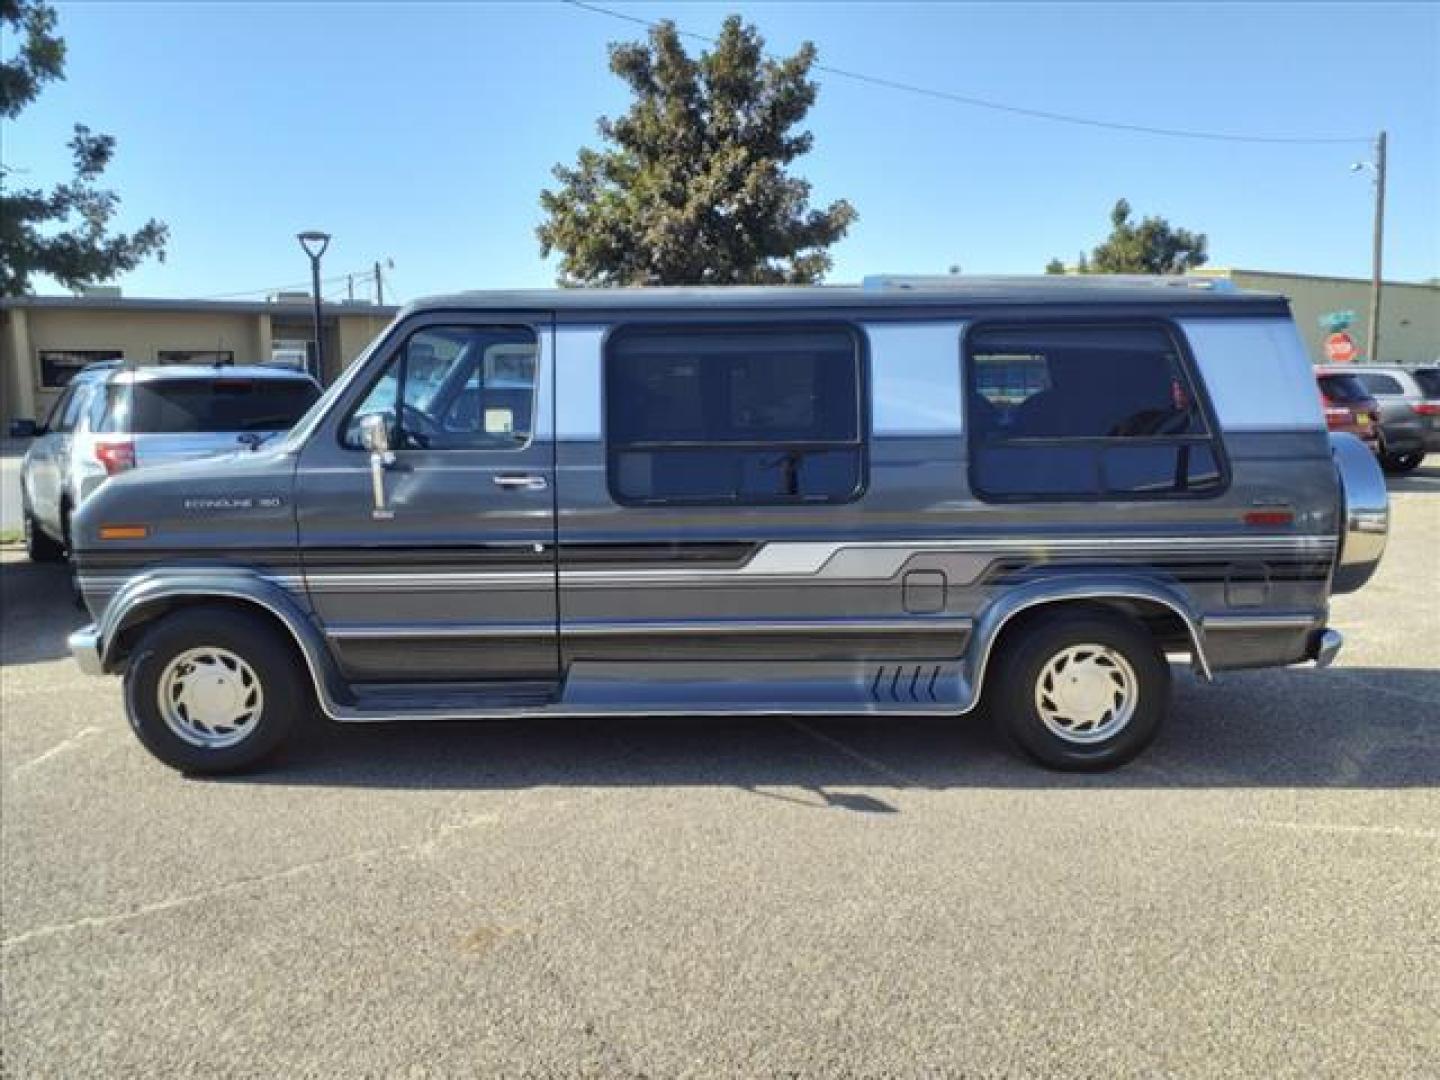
(1081, 691)
(213, 690)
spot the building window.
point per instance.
(207, 357)
(742, 415)
(291, 352)
(59, 366)
(1085, 412)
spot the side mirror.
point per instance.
(375, 433)
(25, 429)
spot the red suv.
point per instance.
(1349, 407)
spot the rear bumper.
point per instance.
(85, 647)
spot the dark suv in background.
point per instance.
(1409, 401)
(1350, 408)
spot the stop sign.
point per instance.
(1340, 348)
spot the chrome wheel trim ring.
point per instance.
(210, 697)
(1086, 694)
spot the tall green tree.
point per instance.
(63, 232)
(1153, 246)
(691, 185)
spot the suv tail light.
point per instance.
(116, 455)
(1427, 408)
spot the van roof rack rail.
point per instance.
(900, 282)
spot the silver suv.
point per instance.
(1409, 400)
(113, 418)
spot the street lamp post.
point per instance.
(1378, 246)
(314, 243)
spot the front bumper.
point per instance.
(85, 646)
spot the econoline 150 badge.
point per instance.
(247, 502)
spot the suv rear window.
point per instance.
(181, 406)
(1343, 389)
(1380, 384)
(1429, 380)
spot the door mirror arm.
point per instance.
(375, 437)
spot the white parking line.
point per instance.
(879, 766)
(59, 748)
(1325, 827)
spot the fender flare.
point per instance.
(142, 593)
(1071, 589)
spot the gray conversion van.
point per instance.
(892, 498)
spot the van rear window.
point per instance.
(180, 406)
(1085, 412)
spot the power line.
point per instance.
(1000, 106)
(359, 275)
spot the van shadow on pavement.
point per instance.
(1288, 728)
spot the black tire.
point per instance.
(77, 594)
(285, 698)
(1013, 686)
(39, 547)
(1402, 463)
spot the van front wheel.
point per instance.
(1082, 691)
(213, 690)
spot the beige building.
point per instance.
(44, 340)
(1409, 312)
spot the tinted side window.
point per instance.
(1075, 412)
(1346, 389)
(55, 422)
(1429, 380)
(1380, 384)
(743, 415)
(178, 406)
(457, 388)
(112, 413)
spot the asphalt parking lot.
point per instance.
(838, 897)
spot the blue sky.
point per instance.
(424, 133)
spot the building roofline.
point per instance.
(229, 307)
(1221, 272)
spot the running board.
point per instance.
(677, 689)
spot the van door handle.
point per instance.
(513, 482)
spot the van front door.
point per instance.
(436, 560)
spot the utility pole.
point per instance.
(350, 286)
(380, 285)
(1372, 352)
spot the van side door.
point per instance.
(440, 564)
(728, 495)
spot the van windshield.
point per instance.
(180, 406)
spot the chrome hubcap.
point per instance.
(210, 697)
(1086, 693)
